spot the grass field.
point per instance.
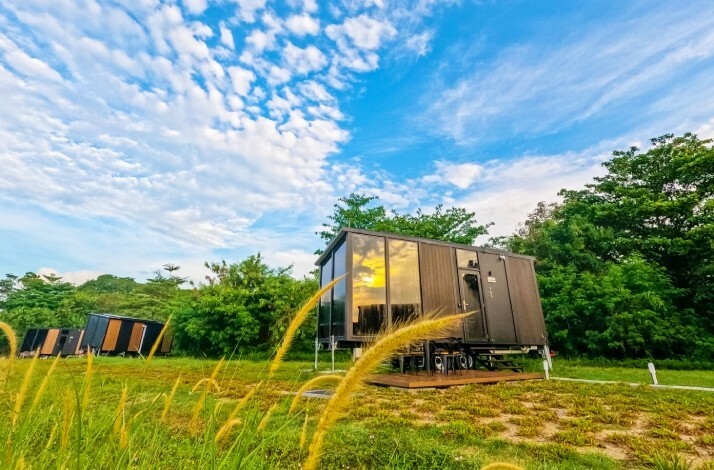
(536, 424)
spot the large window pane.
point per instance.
(323, 314)
(467, 259)
(404, 291)
(369, 291)
(339, 291)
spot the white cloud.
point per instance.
(195, 7)
(227, 37)
(73, 277)
(419, 44)
(303, 61)
(461, 175)
(302, 25)
(363, 31)
(248, 8)
(241, 79)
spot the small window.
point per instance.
(467, 259)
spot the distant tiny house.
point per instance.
(103, 334)
(113, 335)
(52, 341)
(393, 278)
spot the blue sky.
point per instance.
(135, 133)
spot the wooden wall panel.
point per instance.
(110, 338)
(527, 310)
(50, 341)
(438, 282)
(499, 314)
(136, 333)
(78, 350)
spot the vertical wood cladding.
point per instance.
(49, 345)
(110, 338)
(499, 315)
(78, 349)
(137, 332)
(527, 311)
(438, 282)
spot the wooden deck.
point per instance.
(439, 380)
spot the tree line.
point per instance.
(625, 267)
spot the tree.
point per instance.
(359, 211)
(626, 264)
(244, 305)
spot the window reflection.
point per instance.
(369, 293)
(404, 291)
(323, 315)
(339, 291)
(467, 259)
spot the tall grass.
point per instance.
(426, 328)
(75, 423)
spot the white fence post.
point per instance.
(653, 373)
(546, 368)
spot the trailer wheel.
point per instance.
(464, 361)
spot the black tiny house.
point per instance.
(113, 335)
(391, 278)
(52, 341)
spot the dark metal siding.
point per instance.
(70, 344)
(89, 330)
(99, 331)
(499, 315)
(28, 342)
(438, 282)
(124, 336)
(527, 311)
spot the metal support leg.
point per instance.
(427, 355)
(317, 349)
(332, 347)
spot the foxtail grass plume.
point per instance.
(321, 379)
(170, 398)
(303, 433)
(298, 320)
(239, 406)
(501, 466)
(266, 418)
(119, 414)
(156, 344)
(43, 385)
(51, 439)
(227, 427)
(68, 412)
(199, 404)
(425, 328)
(20, 399)
(210, 382)
(88, 380)
(11, 338)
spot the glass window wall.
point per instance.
(339, 291)
(323, 316)
(404, 290)
(369, 291)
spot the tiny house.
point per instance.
(393, 278)
(52, 341)
(114, 335)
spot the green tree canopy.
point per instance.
(635, 246)
(359, 211)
